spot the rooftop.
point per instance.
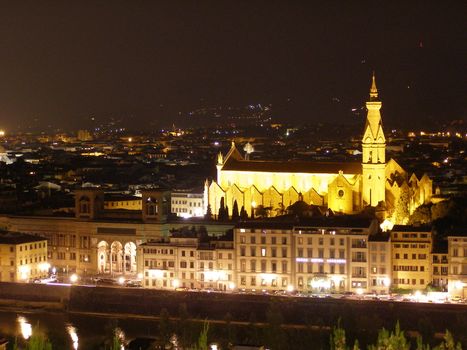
(7, 237)
(293, 166)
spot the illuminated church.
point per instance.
(343, 187)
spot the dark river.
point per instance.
(70, 331)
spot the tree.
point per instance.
(401, 213)
(208, 215)
(235, 213)
(38, 341)
(448, 343)
(243, 214)
(223, 213)
(421, 215)
(202, 343)
(391, 340)
(338, 337)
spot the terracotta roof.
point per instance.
(293, 166)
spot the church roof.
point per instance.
(305, 167)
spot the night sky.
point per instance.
(146, 61)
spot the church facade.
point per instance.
(343, 187)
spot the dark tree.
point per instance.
(235, 213)
(208, 215)
(243, 213)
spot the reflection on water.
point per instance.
(25, 327)
(73, 335)
(120, 334)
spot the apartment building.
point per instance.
(440, 267)
(188, 205)
(23, 257)
(314, 255)
(185, 260)
(457, 256)
(379, 246)
(411, 248)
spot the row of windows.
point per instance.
(263, 240)
(320, 268)
(455, 252)
(412, 281)
(412, 245)
(31, 246)
(408, 268)
(264, 251)
(36, 259)
(309, 241)
(411, 235)
(263, 282)
(444, 270)
(414, 256)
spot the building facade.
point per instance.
(314, 256)
(103, 241)
(457, 256)
(23, 257)
(183, 261)
(411, 249)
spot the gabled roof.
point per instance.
(234, 161)
(293, 166)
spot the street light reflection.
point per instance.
(73, 335)
(25, 327)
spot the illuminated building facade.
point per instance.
(457, 256)
(316, 255)
(23, 257)
(188, 205)
(183, 204)
(183, 261)
(411, 249)
(440, 269)
(101, 240)
(379, 263)
(344, 187)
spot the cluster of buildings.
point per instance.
(144, 233)
(318, 255)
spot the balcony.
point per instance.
(361, 260)
(359, 276)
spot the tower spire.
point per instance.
(373, 89)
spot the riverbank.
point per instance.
(242, 310)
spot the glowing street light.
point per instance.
(121, 280)
(74, 278)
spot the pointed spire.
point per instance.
(220, 159)
(373, 90)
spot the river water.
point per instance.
(71, 331)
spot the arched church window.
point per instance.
(369, 177)
(340, 193)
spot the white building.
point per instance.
(457, 257)
(188, 205)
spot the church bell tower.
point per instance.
(373, 152)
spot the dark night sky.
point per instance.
(61, 63)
